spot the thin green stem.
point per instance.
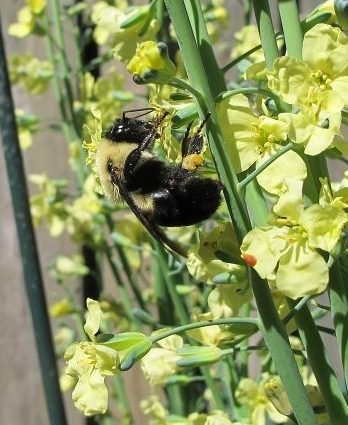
(244, 90)
(179, 305)
(296, 308)
(291, 23)
(236, 61)
(244, 355)
(63, 61)
(29, 257)
(127, 301)
(219, 403)
(127, 269)
(122, 400)
(264, 165)
(205, 323)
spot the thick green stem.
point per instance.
(277, 341)
(266, 30)
(334, 400)
(292, 27)
(28, 248)
(199, 81)
(339, 312)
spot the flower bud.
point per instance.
(191, 356)
(151, 64)
(276, 394)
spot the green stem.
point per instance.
(57, 20)
(339, 312)
(273, 330)
(168, 281)
(266, 30)
(245, 90)
(219, 403)
(28, 248)
(291, 23)
(296, 308)
(334, 400)
(198, 25)
(122, 400)
(236, 61)
(127, 301)
(264, 165)
(67, 124)
(277, 341)
(203, 324)
(127, 269)
(244, 355)
(200, 82)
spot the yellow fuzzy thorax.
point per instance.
(117, 153)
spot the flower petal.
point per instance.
(93, 318)
(302, 271)
(323, 225)
(266, 245)
(90, 394)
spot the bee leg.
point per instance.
(193, 144)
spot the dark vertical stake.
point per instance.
(91, 283)
(28, 248)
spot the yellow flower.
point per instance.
(252, 139)
(88, 363)
(252, 395)
(323, 68)
(313, 127)
(27, 126)
(27, 17)
(160, 363)
(61, 308)
(85, 215)
(65, 268)
(151, 64)
(287, 252)
(276, 394)
(121, 28)
(48, 203)
(30, 73)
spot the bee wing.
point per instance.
(151, 227)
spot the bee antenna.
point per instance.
(144, 111)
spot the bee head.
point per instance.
(131, 130)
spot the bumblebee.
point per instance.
(158, 192)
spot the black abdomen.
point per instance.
(189, 201)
